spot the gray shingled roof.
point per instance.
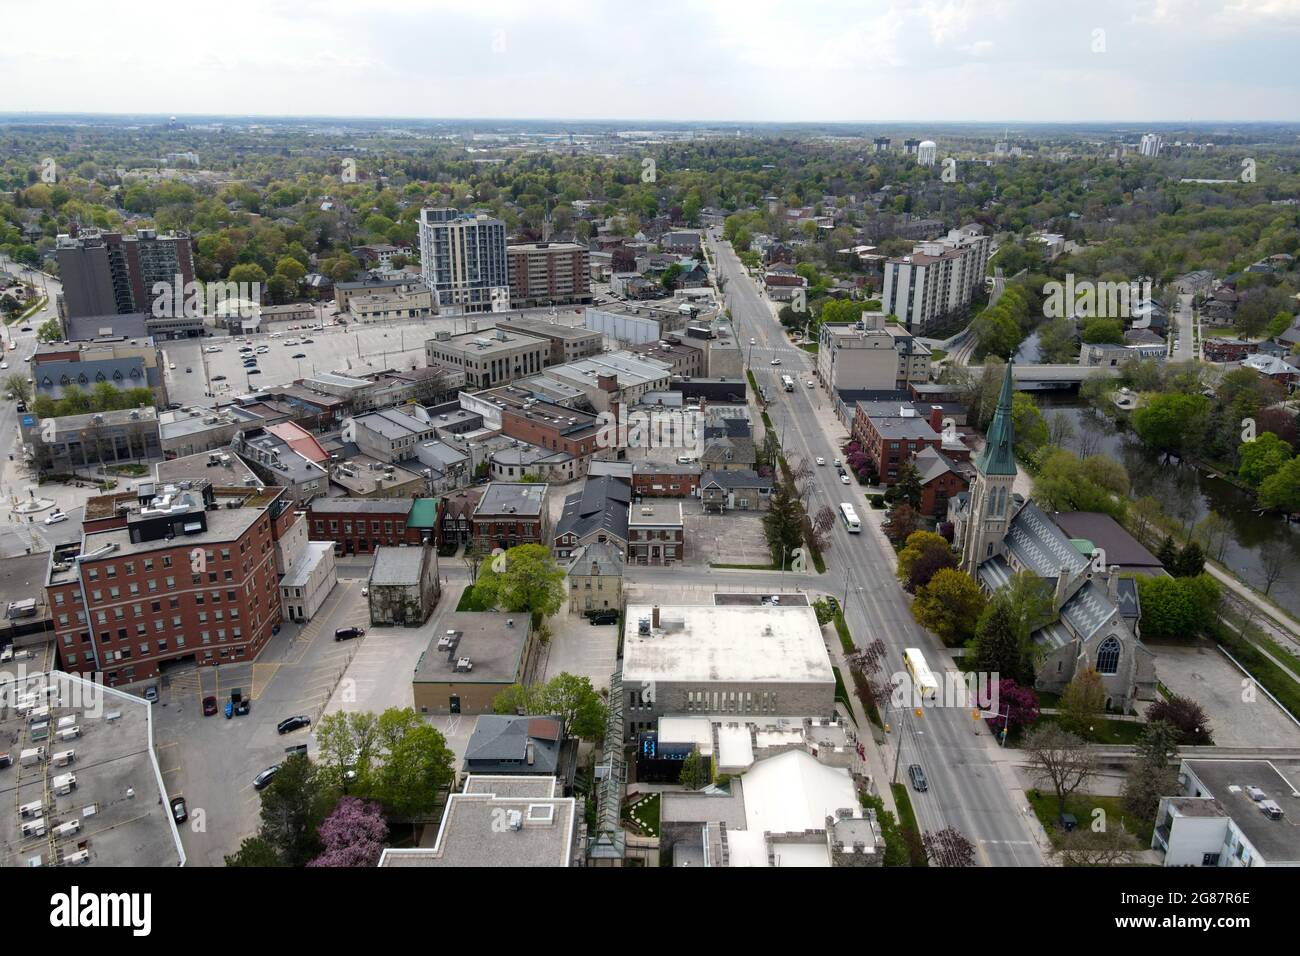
(602, 504)
(1040, 545)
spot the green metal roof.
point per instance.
(424, 513)
(998, 456)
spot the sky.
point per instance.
(689, 60)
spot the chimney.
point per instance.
(607, 383)
(936, 418)
(1112, 583)
(654, 617)
(530, 755)
(1062, 584)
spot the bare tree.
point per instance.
(1060, 429)
(1214, 531)
(824, 521)
(801, 471)
(1060, 759)
(1105, 847)
(948, 847)
(1273, 559)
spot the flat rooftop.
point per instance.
(112, 755)
(485, 825)
(494, 646)
(1226, 780)
(706, 643)
(513, 497)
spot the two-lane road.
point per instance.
(967, 789)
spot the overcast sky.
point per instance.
(743, 60)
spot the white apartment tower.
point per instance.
(937, 280)
(463, 260)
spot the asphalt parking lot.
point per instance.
(1210, 679)
(580, 648)
(212, 760)
(357, 348)
(733, 538)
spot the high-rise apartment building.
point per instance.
(1151, 144)
(106, 273)
(549, 273)
(937, 280)
(463, 259)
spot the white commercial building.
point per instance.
(309, 581)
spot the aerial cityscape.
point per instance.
(590, 451)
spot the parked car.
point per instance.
(188, 370)
(242, 707)
(296, 749)
(917, 775)
(180, 813)
(308, 341)
(821, 460)
(209, 706)
(218, 378)
(54, 517)
(254, 371)
(345, 633)
(151, 694)
(212, 348)
(604, 617)
(299, 355)
(263, 779)
(776, 361)
(290, 724)
(844, 479)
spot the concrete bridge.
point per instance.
(1043, 378)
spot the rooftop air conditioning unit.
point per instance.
(464, 664)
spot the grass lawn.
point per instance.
(644, 814)
(1105, 731)
(842, 695)
(746, 567)
(841, 628)
(812, 347)
(907, 821)
(1082, 806)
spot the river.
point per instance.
(1187, 493)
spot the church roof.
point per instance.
(1040, 545)
(1088, 610)
(998, 456)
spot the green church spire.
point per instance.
(998, 456)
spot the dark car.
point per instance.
(209, 706)
(604, 617)
(26, 328)
(242, 707)
(299, 355)
(254, 371)
(218, 378)
(188, 369)
(174, 406)
(180, 813)
(919, 783)
(308, 341)
(296, 749)
(346, 633)
(290, 724)
(263, 779)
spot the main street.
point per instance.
(968, 788)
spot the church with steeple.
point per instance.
(999, 534)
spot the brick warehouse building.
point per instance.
(360, 525)
(168, 574)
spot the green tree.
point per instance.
(416, 764)
(530, 580)
(49, 331)
(580, 708)
(1177, 608)
(696, 770)
(1029, 424)
(1083, 702)
(291, 269)
(997, 648)
(922, 556)
(1262, 458)
(1280, 491)
(669, 279)
(783, 523)
(18, 386)
(348, 740)
(293, 807)
(1170, 421)
(1097, 483)
(908, 487)
(1152, 776)
(950, 605)
(247, 272)
(1191, 561)
(255, 851)
(1099, 331)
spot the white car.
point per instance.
(821, 460)
(811, 384)
(752, 341)
(290, 341)
(54, 517)
(262, 349)
(212, 348)
(365, 592)
(776, 361)
(172, 366)
(4, 365)
(844, 479)
(836, 463)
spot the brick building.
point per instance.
(652, 479)
(168, 574)
(361, 525)
(511, 513)
(552, 426)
